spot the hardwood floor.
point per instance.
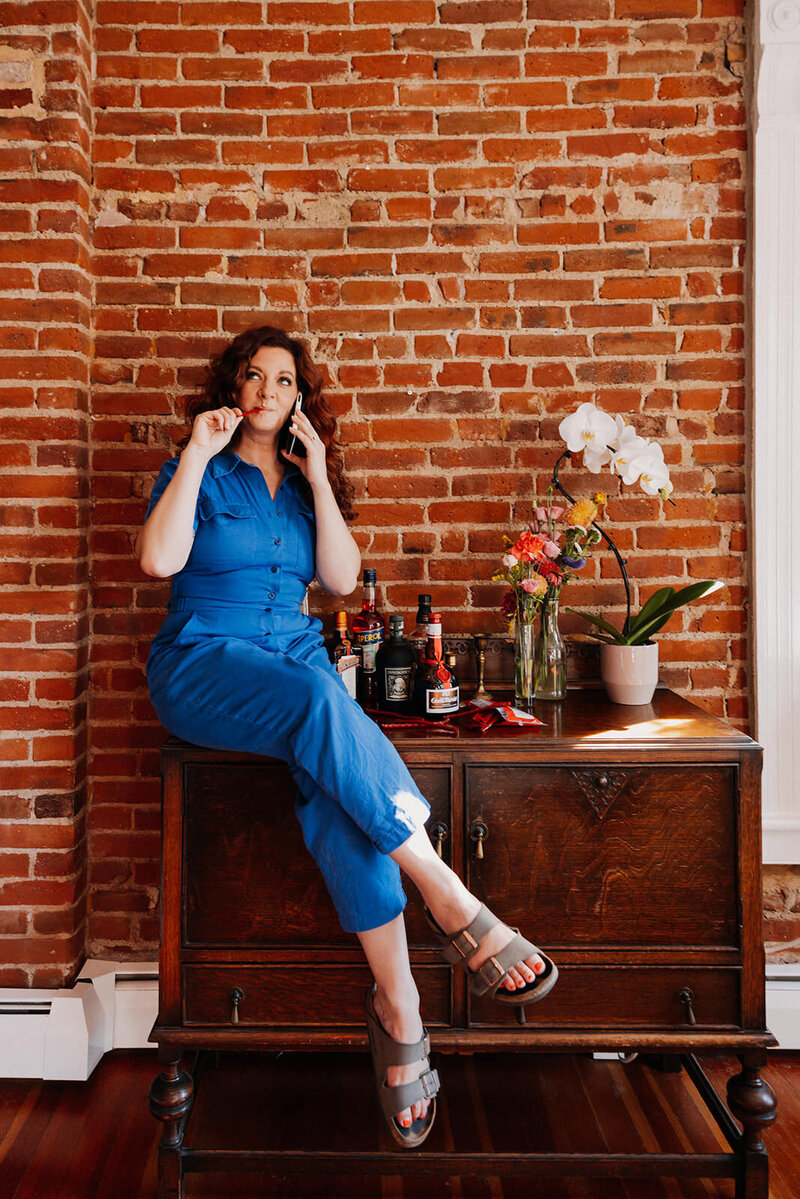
(97, 1140)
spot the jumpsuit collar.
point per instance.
(227, 460)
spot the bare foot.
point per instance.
(403, 1023)
(458, 916)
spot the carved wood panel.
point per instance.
(627, 855)
(249, 879)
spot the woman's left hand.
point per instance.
(313, 466)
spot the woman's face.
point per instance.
(269, 388)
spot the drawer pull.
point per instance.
(438, 836)
(603, 781)
(686, 995)
(236, 997)
(478, 833)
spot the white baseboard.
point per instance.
(783, 1004)
(63, 1034)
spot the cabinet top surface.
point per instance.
(586, 718)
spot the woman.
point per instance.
(243, 526)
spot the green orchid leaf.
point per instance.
(694, 591)
(600, 623)
(653, 616)
(657, 599)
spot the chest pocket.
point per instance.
(228, 535)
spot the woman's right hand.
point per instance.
(212, 430)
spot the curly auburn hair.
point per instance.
(226, 373)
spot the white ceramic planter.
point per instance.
(629, 672)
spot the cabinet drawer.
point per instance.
(308, 996)
(248, 878)
(639, 855)
(626, 997)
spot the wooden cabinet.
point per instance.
(624, 841)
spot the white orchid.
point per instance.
(608, 441)
(595, 460)
(652, 471)
(629, 448)
(588, 429)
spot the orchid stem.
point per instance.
(620, 560)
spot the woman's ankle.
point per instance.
(455, 909)
(399, 1005)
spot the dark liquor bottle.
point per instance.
(367, 638)
(396, 663)
(420, 634)
(436, 691)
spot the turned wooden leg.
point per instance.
(752, 1101)
(171, 1097)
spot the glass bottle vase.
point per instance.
(524, 663)
(550, 669)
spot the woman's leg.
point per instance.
(454, 907)
(396, 1001)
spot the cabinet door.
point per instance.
(248, 878)
(607, 856)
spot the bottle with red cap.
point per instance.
(436, 692)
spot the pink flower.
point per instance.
(534, 586)
(540, 513)
(556, 512)
(552, 549)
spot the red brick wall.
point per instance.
(479, 215)
(45, 333)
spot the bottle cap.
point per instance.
(396, 621)
(341, 620)
(424, 601)
(436, 618)
(369, 576)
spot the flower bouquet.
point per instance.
(536, 566)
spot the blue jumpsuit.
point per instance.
(237, 665)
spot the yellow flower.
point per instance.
(581, 514)
(599, 498)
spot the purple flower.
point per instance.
(572, 563)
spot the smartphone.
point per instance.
(287, 440)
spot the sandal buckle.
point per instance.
(430, 1083)
(492, 971)
(463, 939)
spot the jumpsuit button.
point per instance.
(277, 541)
(268, 609)
(272, 595)
(277, 511)
(274, 569)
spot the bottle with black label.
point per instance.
(436, 692)
(367, 640)
(396, 665)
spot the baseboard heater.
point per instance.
(63, 1033)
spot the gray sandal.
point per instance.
(388, 1052)
(459, 947)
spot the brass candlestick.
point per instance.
(480, 640)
